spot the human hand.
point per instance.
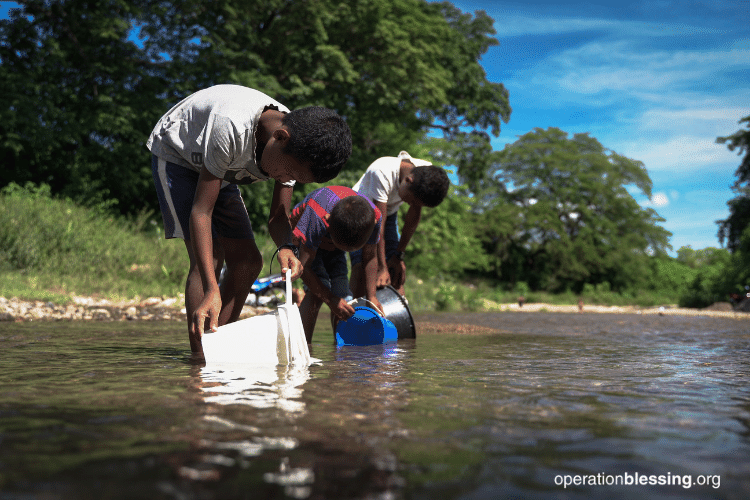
(383, 278)
(209, 308)
(375, 303)
(341, 309)
(397, 271)
(287, 260)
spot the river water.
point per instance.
(547, 406)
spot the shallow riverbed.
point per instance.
(527, 405)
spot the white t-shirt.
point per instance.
(380, 183)
(215, 127)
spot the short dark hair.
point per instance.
(352, 221)
(430, 185)
(321, 137)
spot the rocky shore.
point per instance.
(173, 309)
(93, 309)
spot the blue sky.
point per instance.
(656, 81)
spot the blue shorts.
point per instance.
(391, 240)
(175, 187)
(330, 266)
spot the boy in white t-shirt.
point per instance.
(201, 149)
(389, 182)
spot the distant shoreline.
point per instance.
(719, 310)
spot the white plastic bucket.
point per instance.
(269, 339)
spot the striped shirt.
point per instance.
(308, 217)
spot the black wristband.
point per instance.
(291, 247)
(399, 255)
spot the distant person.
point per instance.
(205, 146)
(329, 222)
(389, 182)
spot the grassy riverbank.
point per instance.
(53, 250)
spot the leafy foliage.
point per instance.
(85, 249)
(708, 284)
(84, 82)
(445, 243)
(80, 97)
(83, 96)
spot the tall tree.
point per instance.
(563, 216)
(396, 69)
(82, 96)
(77, 99)
(732, 228)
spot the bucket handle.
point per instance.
(288, 288)
(379, 310)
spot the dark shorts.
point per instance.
(391, 240)
(175, 187)
(330, 266)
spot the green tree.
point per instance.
(569, 218)
(78, 98)
(83, 97)
(737, 277)
(732, 228)
(446, 242)
(699, 258)
(395, 69)
(709, 284)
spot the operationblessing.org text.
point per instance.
(637, 479)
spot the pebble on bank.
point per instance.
(87, 308)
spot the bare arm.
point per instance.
(370, 264)
(396, 266)
(411, 221)
(382, 277)
(281, 229)
(202, 242)
(338, 306)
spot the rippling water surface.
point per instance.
(548, 406)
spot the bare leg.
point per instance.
(309, 310)
(244, 263)
(334, 324)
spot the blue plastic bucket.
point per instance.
(365, 327)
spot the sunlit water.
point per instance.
(117, 410)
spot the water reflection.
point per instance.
(306, 442)
(492, 415)
(257, 386)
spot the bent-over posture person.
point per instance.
(205, 146)
(329, 222)
(389, 182)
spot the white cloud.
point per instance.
(680, 153)
(683, 138)
(712, 120)
(628, 66)
(521, 25)
(659, 200)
